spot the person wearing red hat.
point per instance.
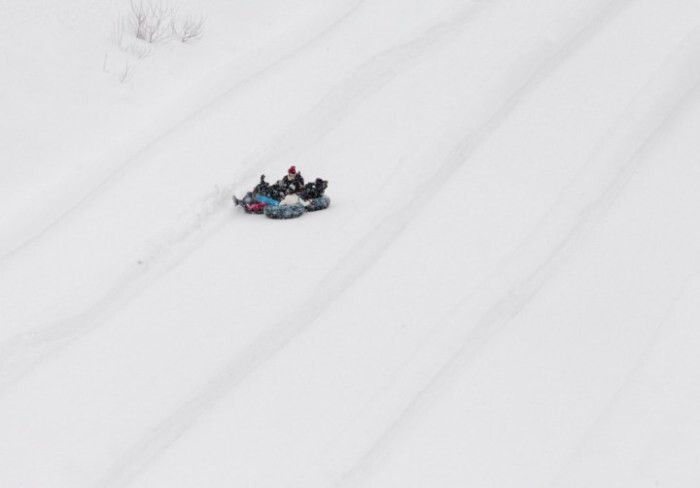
(293, 182)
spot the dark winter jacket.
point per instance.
(314, 189)
(290, 185)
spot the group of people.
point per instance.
(289, 197)
(291, 184)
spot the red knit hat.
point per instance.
(292, 170)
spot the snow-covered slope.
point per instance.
(504, 292)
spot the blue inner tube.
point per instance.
(318, 204)
(284, 211)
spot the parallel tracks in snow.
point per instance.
(583, 204)
(523, 81)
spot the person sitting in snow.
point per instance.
(262, 188)
(313, 189)
(293, 182)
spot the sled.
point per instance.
(291, 207)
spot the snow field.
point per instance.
(502, 293)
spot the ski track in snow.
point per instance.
(583, 204)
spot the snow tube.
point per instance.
(318, 204)
(284, 211)
(254, 208)
(266, 200)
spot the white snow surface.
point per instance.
(504, 292)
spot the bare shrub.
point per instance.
(137, 48)
(190, 29)
(153, 21)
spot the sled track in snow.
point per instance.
(25, 351)
(342, 463)
(634, 375)
(276, 338)
(583, 204)
(367, 79)
(210, 211)
(138, 155)
(359, 259)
